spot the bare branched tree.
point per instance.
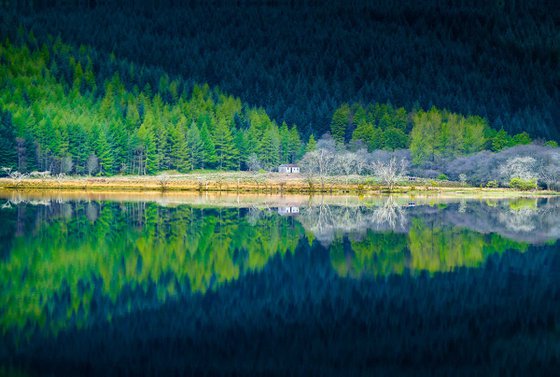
(320, 163)
(519, 167)
(390, 214)
(92, 164)
(390, 172)
(549, 170)
(253, 163)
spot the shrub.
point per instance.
(442, 177)
(523, 184)
(492, 184)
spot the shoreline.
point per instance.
(258, 184)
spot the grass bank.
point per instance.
(268, 183)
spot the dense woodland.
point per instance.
(75, 111)
(301, 60)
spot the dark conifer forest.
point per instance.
(139, 87)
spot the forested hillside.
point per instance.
(300, 61)
(75, 111)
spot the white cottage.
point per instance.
(288, 210)
(288, 168)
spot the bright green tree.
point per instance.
(339, 123)
(195, 147)
(7, 141)
(179, 156)
(226, 152)
(209, 150)
(105, 153)
(311, 144)
(394, 138)
(500, 141)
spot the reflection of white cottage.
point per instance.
(288, 211)
(288, 168)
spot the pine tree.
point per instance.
(284, 143)
(179, 156)
(120, 143)
(78, 148)
(500, 141)
(195, 147)
(311, 144)
(105, 154)
(270, 156)
(339, 123)
(371, 136)
(394, 138)
(146, 150)
(209, 150)
(7, 141)
(226, 153)
(241, 143)
(294, 145)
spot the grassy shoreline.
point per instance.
(269, 183)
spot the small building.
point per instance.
(288, 211)
(288, 168)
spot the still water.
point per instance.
(172, 285)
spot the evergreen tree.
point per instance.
(104, 153)
(8, 156)
(119, 141)
(209, 150)
(294, 145)
(394, 138)
(241, 144)
(270, 156)
(339, 123)
(226, 152)
(371, 136)
(311, 144)
(179, 156)
(500, 141)
(284, 143)
(195, 147)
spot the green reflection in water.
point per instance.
(71, 253)
(426, 247)
(63, 259)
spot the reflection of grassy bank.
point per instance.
(260, 199)
(271, 183)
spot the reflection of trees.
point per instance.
(328, 222)
(428, 238)
(525, 220)
(63, 260)
(95, 254)
(390, 214)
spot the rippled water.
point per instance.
(175, 285)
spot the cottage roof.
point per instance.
(288, 166)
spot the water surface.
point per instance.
(291, 285)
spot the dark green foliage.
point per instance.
(71, 121)
(500, 63)
(8, 157)
(226, 152)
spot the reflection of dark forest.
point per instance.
(187, 276)
(101, 249)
